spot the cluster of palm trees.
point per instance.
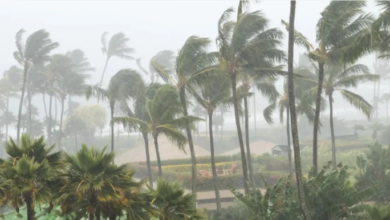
(85, 185)
(248, 57)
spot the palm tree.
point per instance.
(162, 119)
(357, 128)
(173, 203)
(375, 127)
(247, 46)
(93, 178)
(123, 85)
(341, 25)
(293, 114)
(213, 92)
(31, 170)
(34, 52)
(386, 98)
(163, 58)
(117, 47)
(8, 88)
(338, 78)
(192, 61)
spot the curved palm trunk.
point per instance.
(332, 130)
(213, 167)
(241, 142)
(30, 206)
(50, 117)
(44, 103)
(146, 140)
(104, 70)
(190, 141)
(21, 103)
(112, 126)
(289, 143)
(248, 149)
(317, 117)
(293, 114)
(254, 109)
(61, 118)
(29, 112)
(155, 138)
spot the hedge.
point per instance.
(206, 184)
(200, 160)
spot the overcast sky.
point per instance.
(152, 26)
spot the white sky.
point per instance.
(152, 26)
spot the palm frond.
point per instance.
(267, 113)
(358, 102)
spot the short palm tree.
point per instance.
(173, 203)
(163, 58)
(378, 213)
(116, 47)
(34, 52)
(123, 85)
(246, 46)
(213, 92)
(192, 61)
(340, 26)
(162, 119)
(91, 180)
(340, 78)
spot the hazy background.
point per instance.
(152, 26)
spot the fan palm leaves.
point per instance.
(173, 203)
(162, 112)
(213, 92)
(34, 51)
(192, 62)
(246, 46)
(339, 78)
(338, 33)
(125, 84)
(116, 47)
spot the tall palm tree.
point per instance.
(338, 78)
(163, 58)
(341, 25)
(93, 178)
(247, 46)
(192, 61)
(162, 111)
(173, 203)
(116, 47)
(125, 84)
(293, 114)
(34, 52)
(213, 92)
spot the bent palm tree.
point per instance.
(247, 46)
(163, 58)
(162, 112)
(213, 92)
(34, 52)
(192, 62)
(117, 47)
(123, 85)
(341, 25)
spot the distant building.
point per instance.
(280, 150)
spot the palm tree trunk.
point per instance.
(44, 103)
(29, 205)
(332, 130)
(21, 103)
(317, 117)
(55, 113)
(293, 114)
(289, 142)
(254, 109)
(377, 97)
(248, 149)
(213, 167)
(29, 112)
(112, 126)
(222, 125)
(50, 117)
(155, 138)
(240, 141)
(387, 108)
(75, 140)
(146, 140)
(6, 118)
(104, 70)
(190, 141)
(61, 118)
